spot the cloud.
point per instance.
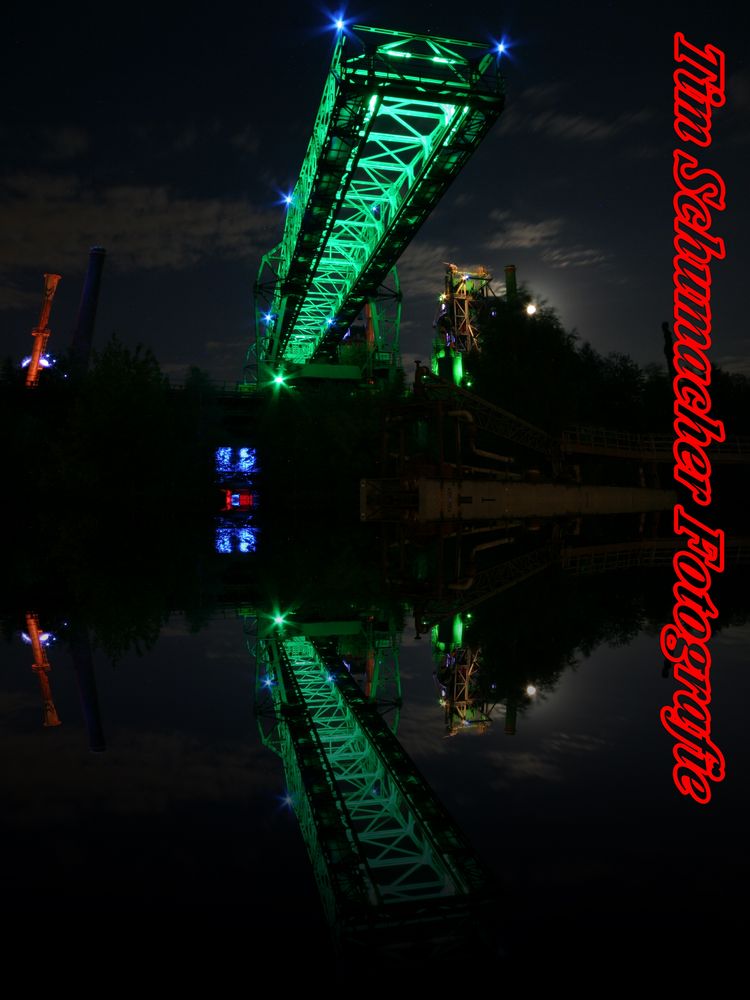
(544, 235)
(64, 142)
(247, 140)
(563, 126)
(734, 364)
(52, 220)
(519, 235)
(421, 267)
(541, 111)
(575, 256)
(573, 743)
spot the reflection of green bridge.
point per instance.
(391, 866)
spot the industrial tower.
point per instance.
(41, 332)
(464, 304)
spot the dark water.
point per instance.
(556, 779)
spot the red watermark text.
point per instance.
(700, 192)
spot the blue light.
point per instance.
(224, 541)
(230, 467)
(287, 199)
(235, 500)
(340, 24)
(246, 463)
(268, 681)
(330, 321)
(224, 460)
(502, 46)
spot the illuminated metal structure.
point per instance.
(37, 639)
(385, 854)
(458, 325)
(401, 114)
(458, 670)
(42, 331)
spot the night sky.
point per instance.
(170, 139)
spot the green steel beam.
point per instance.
(400, 116)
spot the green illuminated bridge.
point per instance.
(400, 116)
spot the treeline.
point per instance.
(107, 474)
(533, 367)
(116, 436)
(111, 493)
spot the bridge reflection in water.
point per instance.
(396, 875)
(394, 871)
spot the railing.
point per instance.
(606, 441)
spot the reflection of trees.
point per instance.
(535, 631)
(111, 471)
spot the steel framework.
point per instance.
(458, 325)
(400, 115)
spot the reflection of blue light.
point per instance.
(235, 537)
(268, 681)
(330, 678)
(347, 665)
(287, 800)
(246, 539)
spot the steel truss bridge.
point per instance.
(400, 116)
(392, 868)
